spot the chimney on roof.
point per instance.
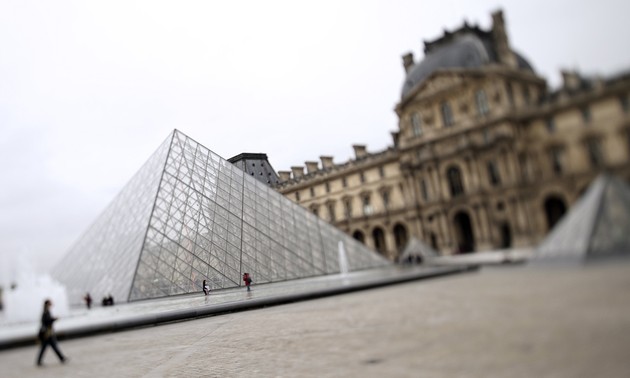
(327, 161)
(501, 41)
(359, 151)
(571, 80)
(395, 138)
(408, 61)
(311, 166)
(298, 171)
(598, 83)
(284, 175)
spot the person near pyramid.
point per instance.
(47, 336)
(88, 300)
(206, 288)
(248, 280)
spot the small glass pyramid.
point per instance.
(189, 215)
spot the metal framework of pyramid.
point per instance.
(597, 225)
(189, 215)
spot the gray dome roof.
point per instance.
(464, 51)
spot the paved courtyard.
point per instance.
(499, 322)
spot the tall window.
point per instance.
(297, 196)
(493, 173)
(381, 171)
(526, 95)
(550, 124)
(625, 103)
(385, 196)
(586, 114)
(367, 206)
(362, 177)
(482, 102)
(510, 93)
(315, 210)
(594, 149)
(344, 182)
(486, 136)
(556, 160)
(312, 190)
(447, 114)
(331, 211)
(524, 164)
(416, 124)
(454, 176)
(424, 190)
(327, 187)
(347, 207)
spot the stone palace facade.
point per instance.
(485, 157)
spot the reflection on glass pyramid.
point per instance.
(189, 215)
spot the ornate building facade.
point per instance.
(485, 156)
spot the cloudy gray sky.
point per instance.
(88, 90)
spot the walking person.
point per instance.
(47, 335)
(206, 288)
(248, 280)
(88, 300)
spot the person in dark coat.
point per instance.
(88, 300)
(206, 288)
(47, 334)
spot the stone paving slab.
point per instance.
(500, 322)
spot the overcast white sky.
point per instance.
(89, 89)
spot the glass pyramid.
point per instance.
(189, 215)
(596, 226)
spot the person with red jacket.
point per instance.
(248, 280)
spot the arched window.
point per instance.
(506, 236)
(455, 183)
(434, 242)
(400, 236)
(379, 239)
(358, 235)
(447, 114)
(555, 208)
(464, 233)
